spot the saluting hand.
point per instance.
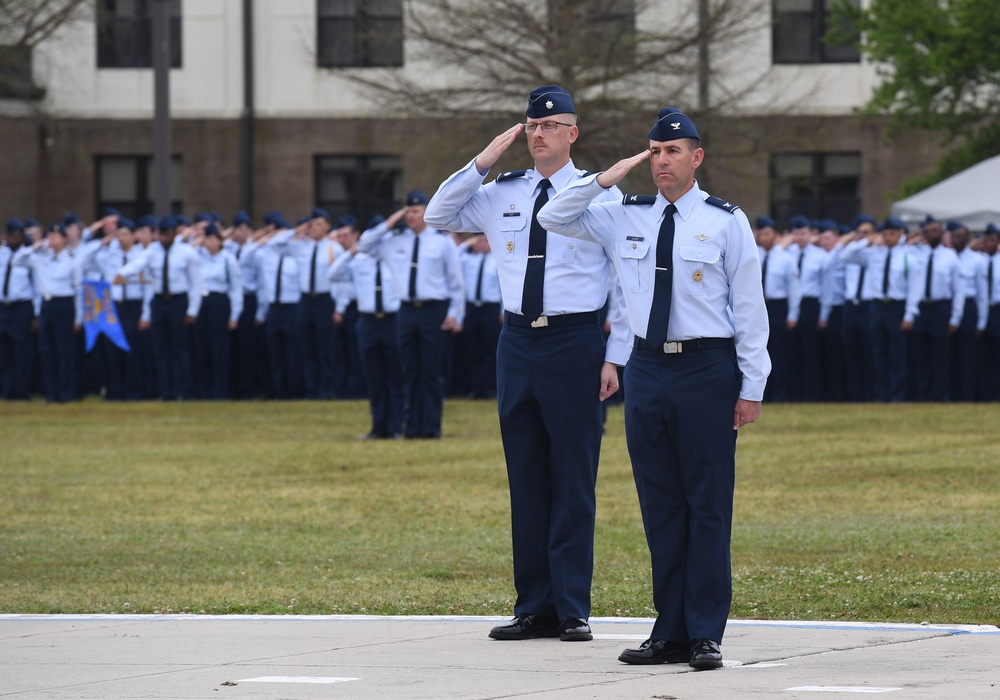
(617, 172)
(491, 154)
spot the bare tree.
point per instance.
(23, 25)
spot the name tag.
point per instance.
(635, 238)
(512, 213)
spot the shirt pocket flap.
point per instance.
(699, 253)
(511, 223)
(633, 250)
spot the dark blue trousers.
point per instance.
(317, 338)
(16, 349)
(171, 344)
(679, 429)
(548, 381)
(350, 376)
(808, 379)
(214, 343)
(124, 369)
(421, 345)
(857, 360)
(379, 357)
(281, 328)
(778, 341)
(930, 345)
(482, 333)
(963, 355)
(58, 349)
(889, 350)
(990, 359)
(251, 377)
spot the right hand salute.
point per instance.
(616, 173)
(491, 154)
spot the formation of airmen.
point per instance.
(878, 312)
(873, 311)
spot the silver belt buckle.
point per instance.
(540, 322)
(672, 348)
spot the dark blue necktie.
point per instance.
(534, 273)
(659, 311)
(412, 290)
(379, 309)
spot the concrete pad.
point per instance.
(245, 656)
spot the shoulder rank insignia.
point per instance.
(722, 204)
(511, 175)
(646, 199)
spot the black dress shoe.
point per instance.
(657, 651)
(705, 655)
(575, 630)
(527, 627)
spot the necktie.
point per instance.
(379, 309)
(6, 277)
(885, 273)
(124, 286)
(659, 311)
(312, 270)
(930, 276)
(166, 271)
(238, 252)
(763, 273)
(802, 255)
(277, 284)
(989, 281)
(479, 279)
(534, 273)
(861, 284)
(412, 291)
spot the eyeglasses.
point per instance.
(547, 127)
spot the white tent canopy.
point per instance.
(971, 196)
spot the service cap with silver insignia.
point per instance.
(510, 246)
(698, 276)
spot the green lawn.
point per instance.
(877, 513)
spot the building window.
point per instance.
(797, 35)
(359, 185)
(16, 80)
(359, 33)
(125, 33)
(126, 183)
(604, 26)
(817, 185)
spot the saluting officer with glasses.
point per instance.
(551, 369)
(691, 276)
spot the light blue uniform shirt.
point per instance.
(813, 261)
(946, 281)
(577, 272)
(873, 259)
(184, 268)
(248, 264)
(490, 287)
(782, 280)
(439, 273)
(716, 282)
(972, 266)
(834, 283)
(359, 271)
(53, 275)
(108, 260)
(269, 258)
(326, 251)
(221, 273)
(20, 286)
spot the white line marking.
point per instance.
(765, 664)
(297, 679)
(842, 689)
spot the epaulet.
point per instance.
(511, 175)
(722, 204)
(646, 199)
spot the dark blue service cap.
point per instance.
(148, 221)
(168, 223)
(992, 228)
(798, 221)
(548, 100)
(893, 223)
(320, 213)
(955, 225)
(928, 220)
(347, 220)
(200, 216)
(111, 211)
(14, 225)
(212, 230)
(303, 220)
(827, 225)
(182, 220)
(56, 227)
(416, 198)
(863, 219)
(844, 229)
(375, 221)
(672, 124)
(31, 221)
(240, 218)
(124, 222)
(764, 221)
(71, 218)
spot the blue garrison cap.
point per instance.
(212, 230)
(763, 221)
(148, 220)
(893, 223)
(416, 198)
(844, 229)
(992, 228)
(168, 222)
(200, 216)
(272, 216)
(240, 218)
(71, 218)
(320, 213)
(347, 220)
(182, 220)
(14, 225)
(124, 222)
(672, 124)
(928, 220)
(548, 100)
(111, 211)
(827, 224)
(798, 221)
(56, 227)
(31, 221)
(303, 220)
(955, 225)
(863, 219)
(375, 221)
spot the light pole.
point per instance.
(161, 107)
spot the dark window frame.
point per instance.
(17, 81)
(788, 24)
(369, 190)
(127, 41)
(818, 195)
(144, 199)
(373, 38)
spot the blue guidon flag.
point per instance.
(101, 316)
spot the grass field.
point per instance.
(877, 513)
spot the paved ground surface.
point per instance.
(236, 657)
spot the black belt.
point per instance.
(12, 302)
(682, 346)
(576, 319)
(379, 316)
(936, 302)
(69, 298)
(170, 295)
(421, 303)
(893, 301)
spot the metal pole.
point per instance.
(703, 56)
(161, 111)
(247, 116)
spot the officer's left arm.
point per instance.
(235, 288)
(194, 285)
(456, 284)
(619, 345)
(572, 213)
(746, 300)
